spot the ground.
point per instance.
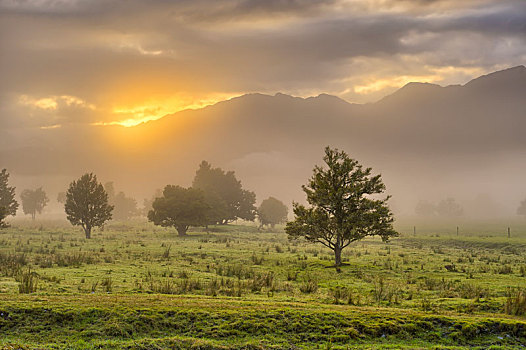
(138, 286)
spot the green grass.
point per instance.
(138, 286)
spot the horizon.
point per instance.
(141, 93)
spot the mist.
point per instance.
(428, 143)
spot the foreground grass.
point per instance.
(137, 286)
(166, 322)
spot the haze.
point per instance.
(133, 91)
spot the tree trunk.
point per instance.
(337, 256)
(33, 216)
(87, 231)
(181, 230)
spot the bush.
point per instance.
(515, 302)
(27, 282)
(309, 285)
(11, 264)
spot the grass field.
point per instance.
(137, 286)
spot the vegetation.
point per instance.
(180, 208)
(33, 201)
(272, 212)
(227, 199)
(124, 207)
(87, 204)
(61, 197)
(449, 208)
(139, 286)
(342, 210)
(8, 203)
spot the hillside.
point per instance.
(273, 141)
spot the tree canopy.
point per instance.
(61, 197)
(226, 197)
(272, 211)
(33, 201)
(87, 203)
(449, 208)
(124, 207)
(8, 203)
(180, 208)
(343, 206)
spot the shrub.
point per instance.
(107, 285)
(27, 282)
(515, 302)
(309, 285)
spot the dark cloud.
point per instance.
(102, 50)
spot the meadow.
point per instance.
(138, 286)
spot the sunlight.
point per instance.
(129, 116)
(395, 82)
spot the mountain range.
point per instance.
(427, 141)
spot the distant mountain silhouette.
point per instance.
(273, 141)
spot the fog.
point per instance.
(428, 142)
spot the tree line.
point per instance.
(215, 197)
(344, 204)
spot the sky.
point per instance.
(106, 62)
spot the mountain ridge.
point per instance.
(417, 137)
(409, 90)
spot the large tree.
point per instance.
(272, 211)
(344, 206)
(33, 201)
(87, 203)
(180, 208)
(147, 202)
(124, 207)
(227, 198)
(61, 197)
(8, 203)
(449, 208)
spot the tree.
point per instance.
(87, 203)
(342, 207)
(61, 197)
(180, 208)
(147, 203)
(33, 201)
(217, 208)
(272, 211)
(521, 210)
(3, 215)
(425, 209)
(227, 196)
(8, 203)
(449, 208)
(123, 207)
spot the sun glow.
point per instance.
(395, 82)
(54, 102)
(154, 109)
(437, 75)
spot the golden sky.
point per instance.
(105, 62)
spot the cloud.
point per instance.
(125, 54)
